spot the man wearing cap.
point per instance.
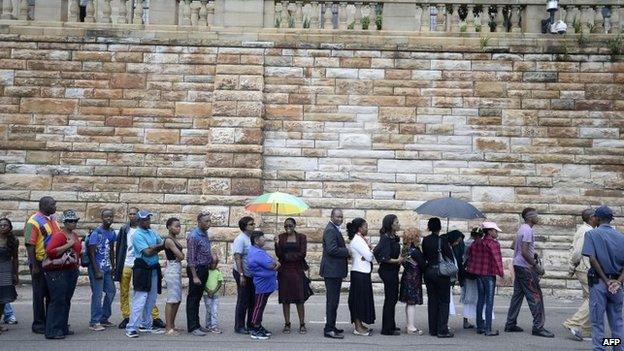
(198, 258)
(146, 276)
(579, 324)
(603, 245)
(526, 280)
(124, 254)
(485, 261)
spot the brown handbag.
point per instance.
(68, 258)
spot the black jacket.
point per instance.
(121, 247)
(335, 253)
(142, 275)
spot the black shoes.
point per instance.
(123, 323)
(467, 325)
(492, 333)
(333, 335)
(514, 329)
(339, 331)
(391, 332)
(242, 331)
(480, 331)
(543, 333)
(158, 323)
(447, 335)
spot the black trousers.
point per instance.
(390, 279)
(194, 297)
(245, 297)
(41, 300)
(62, 284)
(439, 296)
(332, 299)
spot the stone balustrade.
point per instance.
(457, 16)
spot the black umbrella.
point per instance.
(449, 207)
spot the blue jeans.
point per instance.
(8, 312)
(142, 304)
(62, 284)
(486, 285)
(212, 311)
(601, 301)
(101, 310)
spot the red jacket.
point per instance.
(484, 257)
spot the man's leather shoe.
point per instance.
(492, 333)
(447, 335)
(339, 331)
(241, 331)
(514, 329)
(543, 333)
(480, 331)
(333, 335)
(70, 332)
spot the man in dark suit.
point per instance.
(333, 270)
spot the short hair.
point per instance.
(290, 219)
(203, 214)
(587, 214)
(106, 210)
(170, 221)
(133, 208)
(255, 235)
(242, 223)
(334, 210)
(45, 200)
(434, 224)
(526, 211)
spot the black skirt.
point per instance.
(361, 304)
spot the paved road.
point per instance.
(20, 338)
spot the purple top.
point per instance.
(198, 248)
(525, 234)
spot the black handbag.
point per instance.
(446, 267)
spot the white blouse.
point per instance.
(359, 249)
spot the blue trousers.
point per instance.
(101, 309)
(485, 285)
(142, 304)
(8, 312)
(601, 301)
(62, 284)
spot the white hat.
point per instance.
(490, 225)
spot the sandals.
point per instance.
(172, 332)
(302, 329)
(286, 329)
(413, 332)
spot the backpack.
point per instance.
(85, 260)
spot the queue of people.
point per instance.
(439, 260)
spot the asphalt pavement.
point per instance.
(19, 336)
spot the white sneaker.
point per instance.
(97, 327)
(11, 320)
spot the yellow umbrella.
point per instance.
(278, 203)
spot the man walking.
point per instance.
(526, 281)
(146, 276)
(102, 258)
(198, 258)
(579, 324)
(124, 254)
(603, 246)
(333, 270)
(37, 230)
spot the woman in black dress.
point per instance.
(8, 264)
(388, 254)
(411, 280)
(293, 284)
(438, 287)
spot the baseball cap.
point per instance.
(143, 214)
(69, 215)
(604, 212)
(490, 225)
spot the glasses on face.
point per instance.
(71, 221)
(289, 226)
(5, 225)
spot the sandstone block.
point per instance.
(404, 166)
(162, 136)
(246, 186)
(397, 114)
(25, 181)
(490, 89)
(128, 81)
(193, 109)
(350, 73)
(290, 163)
(491, 144)
(355, 141)
(48, 106)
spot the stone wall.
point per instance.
(182, 127)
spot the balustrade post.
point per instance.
(195, 5)
(299, 14)
(122, 15)
(185, 10)
(425, 18)
(441, 18)
(74, 11)
(342, 16)
(500, 19)
(515, 19)
(599, 20)
(485, 19)
(372, 16)
(138, 12)
(106, 12)
(615, 20)
(327, 16)
(455, 19)
(23, 11)
(585, 19)
(470, 19)
(90, 12)
(358, 16)
(210, 8)
(569, 17)
(202, 20)
(285, 14)
(7, 9)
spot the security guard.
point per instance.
(603, 246)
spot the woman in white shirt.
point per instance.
(361, 304)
